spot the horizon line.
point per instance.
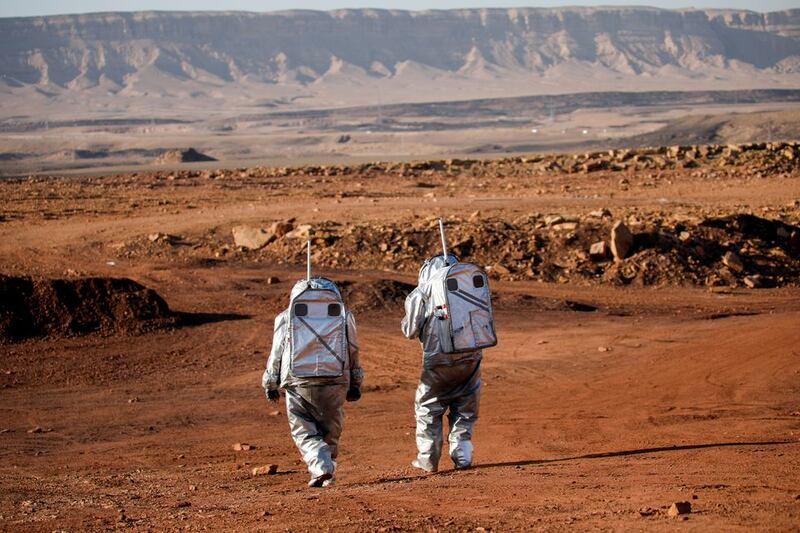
(279, 11)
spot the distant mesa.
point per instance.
(189, 155)
(442, 54)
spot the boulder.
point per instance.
(753, 282)
(679, 508)
(279, 229)
(733, 261)
(621, 240)
(599, 251)
(252, 238)
(303, 231)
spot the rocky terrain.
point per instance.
(646, 377)
(620, 246)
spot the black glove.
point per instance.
(273, 395)
(353, 394)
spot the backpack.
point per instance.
(318, 329)
(463, 308)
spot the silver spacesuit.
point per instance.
(448, 381)
(314, 405)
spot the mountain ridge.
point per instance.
(321, 54)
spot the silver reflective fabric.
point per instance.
(314, 404)
(318, 335)
(463, 290)
(279, 371)
(449, 381)
(316, 416)
(454, 387)
(420, 322)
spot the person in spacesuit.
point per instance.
(315, 359)
(448, 382)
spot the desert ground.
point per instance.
(75, 137)
(616, 390)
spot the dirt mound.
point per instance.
(182, 156)
(66, 307)
(384, 293)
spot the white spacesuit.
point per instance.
(314, 357)
(448, 380)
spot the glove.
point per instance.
(273, 395)
(353, 394)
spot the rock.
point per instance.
(600, 213)
(242, 447)
(37, 429)
(251, 238)
(565, 226)
(552, 220)
(279, 229)
(267, 470)
(163, 237)
(500, 269)
(303, 231)
(272, 280)
(647, 511)
(599, 251)
(182, 505)
(733, 261)
(181, 156)
(621, 241)
(343, 139)
(679, 508)
(753, 282)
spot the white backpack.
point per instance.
(463, 308)
(318, 326)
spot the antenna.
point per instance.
(308, 260)
(444, 240)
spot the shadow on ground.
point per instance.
(601, 455)
(199, 319)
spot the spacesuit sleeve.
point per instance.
(415, 314)
(272, 374)
(356, 372)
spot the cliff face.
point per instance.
(121, 51)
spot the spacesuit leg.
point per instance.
(315, 418)
(428, 410)
(462, 417)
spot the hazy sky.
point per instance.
(19, 8)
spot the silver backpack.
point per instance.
(318, 327)
(463, 308)
(462, 305)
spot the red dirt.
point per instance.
(589, 420)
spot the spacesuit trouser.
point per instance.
(316, 417)
(444, 387)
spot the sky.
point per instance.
(18, 8)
